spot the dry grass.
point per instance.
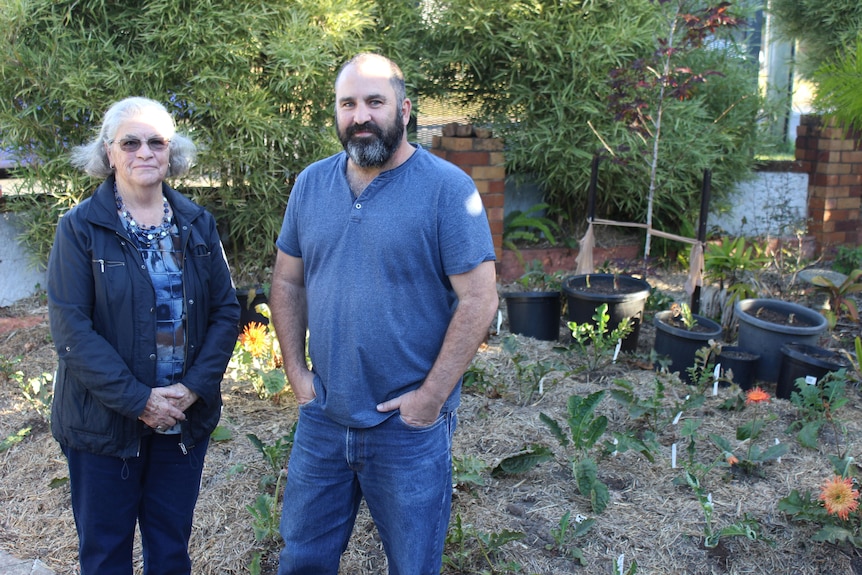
(649, 519)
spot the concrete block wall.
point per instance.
(481, 156)
(832, 157)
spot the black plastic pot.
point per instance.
(625, 296)
(808, 363)
(679, 344)
(249, 298)
(765, 338)
(741, 363)
(534, 314)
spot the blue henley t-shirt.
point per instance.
(376, 275)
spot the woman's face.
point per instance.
(140, 152)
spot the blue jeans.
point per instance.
(404, 473)
(158, 489)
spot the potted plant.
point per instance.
(729, 263)
(679, 334)
(767, 324)
(806, 363)
(535, 310)
(624, 295)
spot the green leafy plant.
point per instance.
(682, 312)
(817, 407)
(257, 358)
(694, 474)
(586, 428)
(731, 263)
(748, 433)
(847, 259)
(469, 550)
(840, 302)
(657, 300)
(531, 376)
(567, 532)
(596, 341)
(523, 461)
(535, 278)
(658, 410)
(39, 392)
(835, 509)
(8, 366)
(477, 381)
(15, 439)
(747, 527)
(702, 373)
(266, 511)
(468, 471)
(530, 226)
(254, 137)
(513, 62)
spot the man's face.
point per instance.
(368, 119)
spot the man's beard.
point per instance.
(371, 151)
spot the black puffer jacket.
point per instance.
(101, 307)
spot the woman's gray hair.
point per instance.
(92, 158)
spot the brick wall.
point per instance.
(481, 157)
(832, 157)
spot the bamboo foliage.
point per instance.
(249, 81)
(540, 71)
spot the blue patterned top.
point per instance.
(163, 258)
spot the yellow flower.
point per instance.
(756, 395)
(839, 497)
(253, 339)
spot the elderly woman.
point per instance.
(144, 317)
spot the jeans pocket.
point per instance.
(443, 417)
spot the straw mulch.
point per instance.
(649, 519)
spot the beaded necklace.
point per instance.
(145, 235)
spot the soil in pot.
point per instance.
(767, 324)
(625, 295)
(808, 363)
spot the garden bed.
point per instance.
(650, 518)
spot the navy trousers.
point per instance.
(158, 490)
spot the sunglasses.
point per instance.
(134, 144)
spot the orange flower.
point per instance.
(839, 497)
(732, 459)
(253, 339)
(756, 395)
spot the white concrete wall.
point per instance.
(772, 204)
(18, 276)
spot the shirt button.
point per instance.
(358, 206)
(153, 357)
